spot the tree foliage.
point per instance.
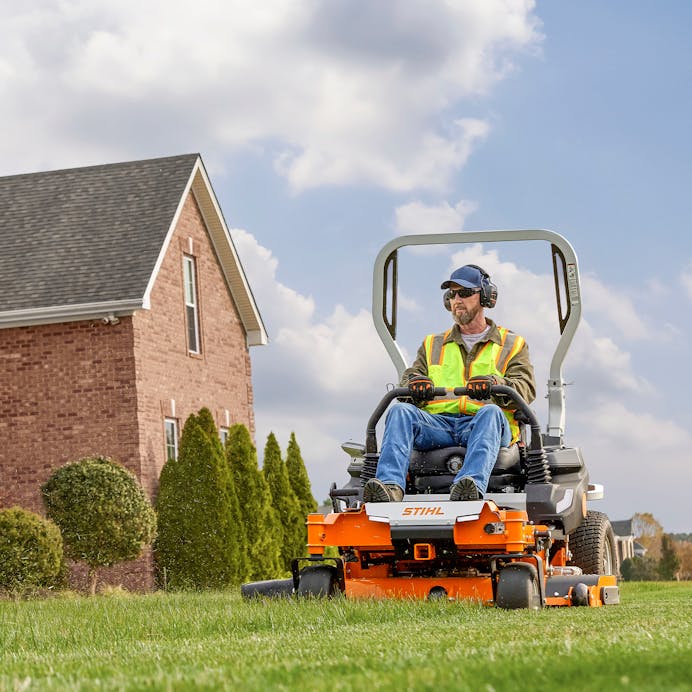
(238, 547)
(648, 568)
(684, 551)
(259, 519)
(196, 546)
(648, 532)
(103, 514)
(640, 569)
(669, 564)
(31, 551)
(681, 537)
(285, 503)
(298, 477)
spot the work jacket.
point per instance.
(502, 353)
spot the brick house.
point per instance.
(123, 309)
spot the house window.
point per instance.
(223, 435)
(171, 426)
(191, 304)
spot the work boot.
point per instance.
(464, 489)
(377, 491)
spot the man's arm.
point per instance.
(419, 367)
(519, 375)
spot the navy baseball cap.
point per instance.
(466, 276)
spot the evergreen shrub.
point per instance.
(264, 532)
(195, 544)
(298, 477)
(238, 547)
(285, 503)
(31, 552)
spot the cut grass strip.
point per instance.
(216, 640)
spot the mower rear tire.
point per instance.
(271, 588)
(593, 546)
(517, 587)
(318, 581)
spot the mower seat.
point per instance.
(433, 471)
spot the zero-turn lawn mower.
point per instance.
(530, 542)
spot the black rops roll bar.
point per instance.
(527, 414)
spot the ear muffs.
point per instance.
(488, 291)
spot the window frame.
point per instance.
(168, 421)
(223, 434)
(192, 320)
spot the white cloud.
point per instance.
(616, 308)
(408, 303)
(319, 379)
(527, 304)
(276, 301)
(334, 92)
(639, 456)
(417, 217)
(632, 442)
(333, 356)
(322, 379)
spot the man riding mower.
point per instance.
(467, 498)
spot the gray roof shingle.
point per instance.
(86, 235)
(622, 527)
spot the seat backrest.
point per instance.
(433, 471)
(446, 460)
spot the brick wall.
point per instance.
(219, 378)
(66, 391)
(80, 388)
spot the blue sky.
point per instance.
(328, 128)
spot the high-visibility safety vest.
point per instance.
(446, 368)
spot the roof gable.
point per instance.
(84, 242)
(622, 527)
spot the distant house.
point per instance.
(639, 549)
(123, 309)
(624, 537)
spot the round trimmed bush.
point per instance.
(31, 551)
(103, 514)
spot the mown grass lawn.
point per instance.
(217, 641)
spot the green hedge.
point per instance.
(285, 503)
(197, 545)
(261, 522)
(31, 551)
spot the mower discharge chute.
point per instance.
(530, 542)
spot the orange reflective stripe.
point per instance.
(443, 401)
(435, 348)
(518, 345)
(438, 348)
(444, 346)
(428, 347)
(504, 333)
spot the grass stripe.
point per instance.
(216, 640)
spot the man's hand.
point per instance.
(421, 388)
(479, 386)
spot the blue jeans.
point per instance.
(407, 427)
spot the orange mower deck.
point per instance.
(427, 547)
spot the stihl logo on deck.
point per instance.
(422, 511)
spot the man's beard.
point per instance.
(467, 316)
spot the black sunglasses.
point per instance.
(462, 292)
